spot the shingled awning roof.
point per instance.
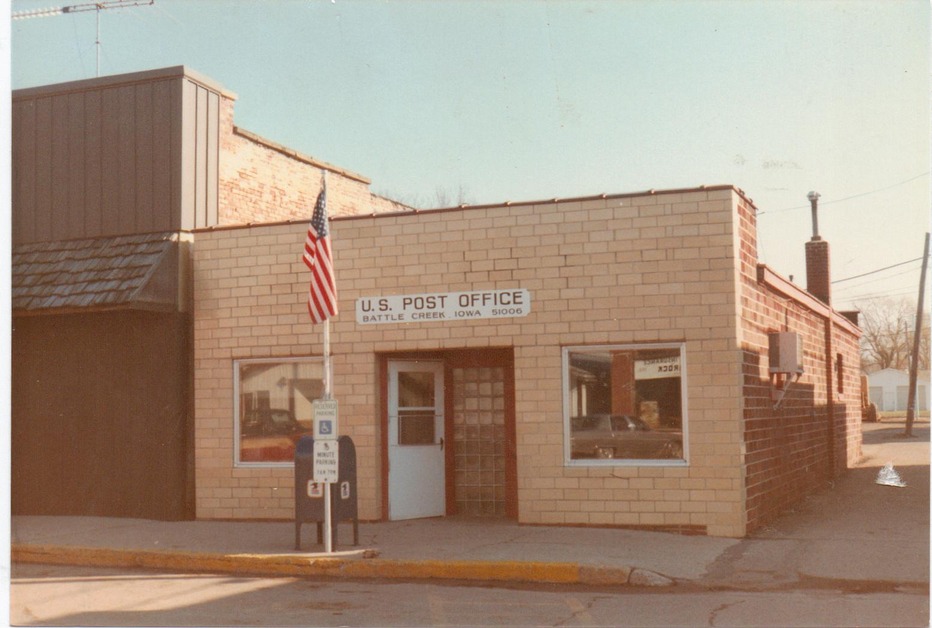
(119, 272)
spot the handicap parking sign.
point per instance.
(325, 419)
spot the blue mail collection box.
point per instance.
(309, 495)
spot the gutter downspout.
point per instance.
(830, 392)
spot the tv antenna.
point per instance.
(80, 8)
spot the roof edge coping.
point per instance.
(130, 78)
(575, 199)
(290, 152)
(781, 284)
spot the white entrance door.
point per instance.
(416, 480)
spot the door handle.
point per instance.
(441, 443)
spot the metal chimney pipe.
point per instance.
(814, 202)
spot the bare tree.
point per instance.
(442, 198)
(888, 328)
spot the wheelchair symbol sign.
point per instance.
(325, 419)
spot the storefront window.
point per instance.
(624, 404)
(273, 407)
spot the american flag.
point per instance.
(322, 293)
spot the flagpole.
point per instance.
(328, 395)
(321, 305)
(328, 366)
(328, 515)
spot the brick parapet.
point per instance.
(261, 181)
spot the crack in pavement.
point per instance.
(713, 616)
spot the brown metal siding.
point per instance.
(199, 155)
(115, 159)
(77, 162)
(43, 152)
(110, 185)
(127, 213)
(212, 150)
(188, 155)
(60, 171)
(164, 132)
(145, 151)
(22, 136)
(93, 168)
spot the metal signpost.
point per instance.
(326, 458)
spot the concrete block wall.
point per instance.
(814, 434)
(628, 269)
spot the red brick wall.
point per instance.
(818, 281)
(814, 435)
(261, 181)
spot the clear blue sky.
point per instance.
(522, 100)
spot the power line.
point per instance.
(871, 296)
(885, 278)
(848, 198)
(879, 270)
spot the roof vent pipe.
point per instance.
(814, 202)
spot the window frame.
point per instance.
(237, 435)
(569, 461)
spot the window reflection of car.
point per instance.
(272, 421)
(621, 436)
(269, 436)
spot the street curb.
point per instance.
(349, 568)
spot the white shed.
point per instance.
(889, 389)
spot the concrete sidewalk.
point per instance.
(856, 535)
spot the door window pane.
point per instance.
(416, 427)
(415, 390)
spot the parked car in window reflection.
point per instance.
(271, 421)
(622, 436)
(269, 436)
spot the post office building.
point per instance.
(619, 360)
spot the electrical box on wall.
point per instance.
(786, 352)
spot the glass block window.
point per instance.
(479, 434)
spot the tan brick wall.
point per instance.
(654, 268)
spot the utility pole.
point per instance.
(79, 8)
(914, 360)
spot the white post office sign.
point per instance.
(443, 306)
